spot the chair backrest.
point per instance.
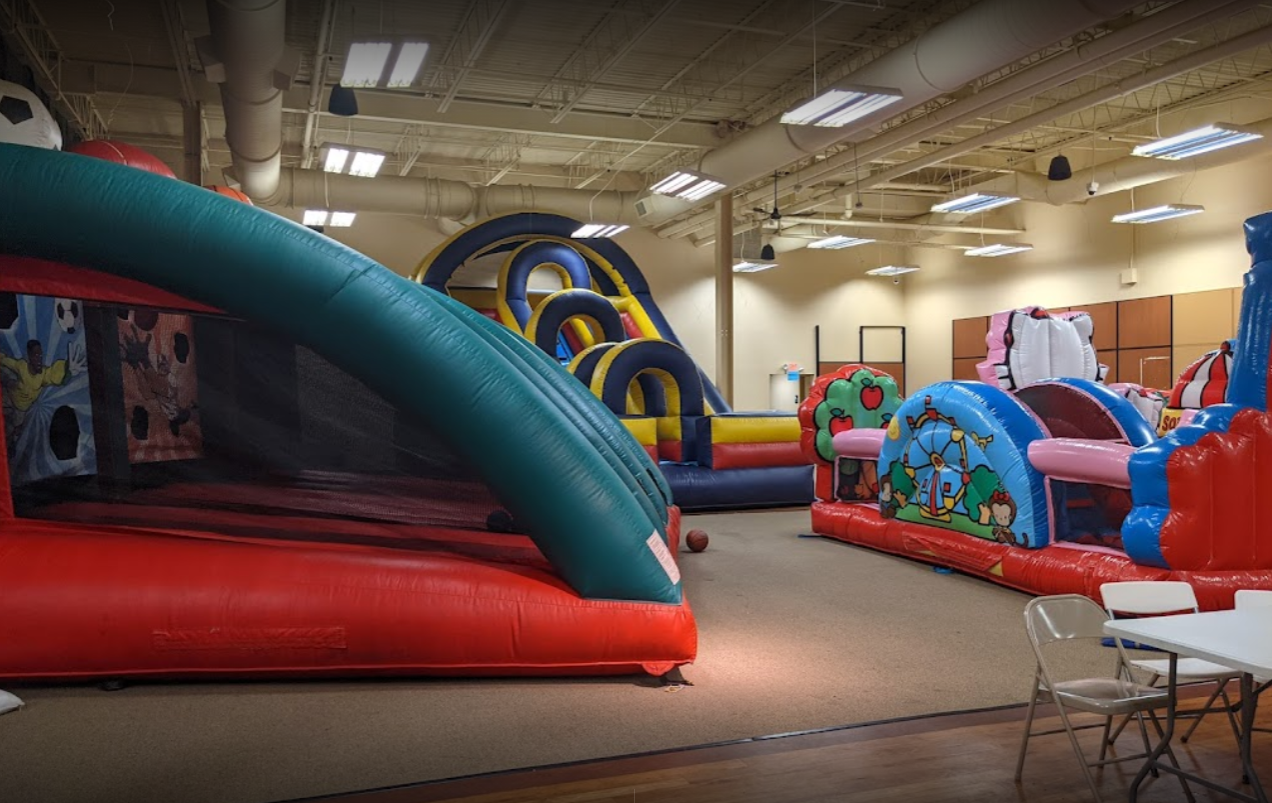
(1063, 617)
(1253, 598)
(1147, 597)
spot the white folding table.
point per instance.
(1239, 639)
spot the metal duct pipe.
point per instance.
(1143, 34)
(246, 55)
(427, 197)
(443, 198)
(1125, 173)
(801, 236)
(986, 37)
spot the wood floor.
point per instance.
(942, 759)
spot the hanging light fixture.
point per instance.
(343, 101)
(1059, 169)
(1198, 141)
(1157, 214)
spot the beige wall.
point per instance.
(1079, 256)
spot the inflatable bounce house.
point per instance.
(605, 328)
(235, 447)
(1031, 344)
(1056, 485)
(1200, 385)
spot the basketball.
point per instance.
(696, 540)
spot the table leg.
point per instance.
(1150, 763)
(1249, 707)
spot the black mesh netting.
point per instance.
(145, 417)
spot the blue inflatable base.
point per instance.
(698, 488)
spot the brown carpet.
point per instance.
(796, 633)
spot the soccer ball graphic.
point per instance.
(25, 121)
(68, 312)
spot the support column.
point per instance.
(724, 296)
(192, 142)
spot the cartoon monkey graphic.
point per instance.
(1002, 513)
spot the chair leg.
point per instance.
(1104, 738)
(1148, 748)
(1024, 742)
(1219, 687)
(1077, 750)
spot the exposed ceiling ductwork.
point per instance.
(443, 198)
(245, 54)
(1134, 38)
(987, 37)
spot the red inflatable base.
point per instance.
(1056, 569)
(90, 601)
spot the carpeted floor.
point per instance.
(796, 633)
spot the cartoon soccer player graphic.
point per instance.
(158, 381)
(24, 380)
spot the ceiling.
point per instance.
(612, 94)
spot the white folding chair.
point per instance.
(1070, 617)
(1255, 598)
(1154, 598)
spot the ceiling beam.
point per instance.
(754, 62)
(479, 25)
(87, 78)
(614, 57)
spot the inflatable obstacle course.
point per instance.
(1056, 485)
(604, 326)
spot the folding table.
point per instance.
(1239, 639)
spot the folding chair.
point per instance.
(1070, 617)
(1254, 598)
(1154, 598)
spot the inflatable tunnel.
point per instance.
(485, 514)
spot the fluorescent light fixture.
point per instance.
(336, 160)
(406, 69)
(976, 202)
(892, 270)
(366, 163)
(839, 241)
(393, 64)
(1158, 213)
(752, 267)
(997, 250)
(342, 219)
(315, 217)
(597, 230)
(354, 161)
(688, 184)
(839, 107)
(364, 66)
(1202, 140)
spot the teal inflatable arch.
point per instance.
(563, 465)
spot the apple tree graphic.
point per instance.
(863, 399)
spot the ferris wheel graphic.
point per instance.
(936, 459)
